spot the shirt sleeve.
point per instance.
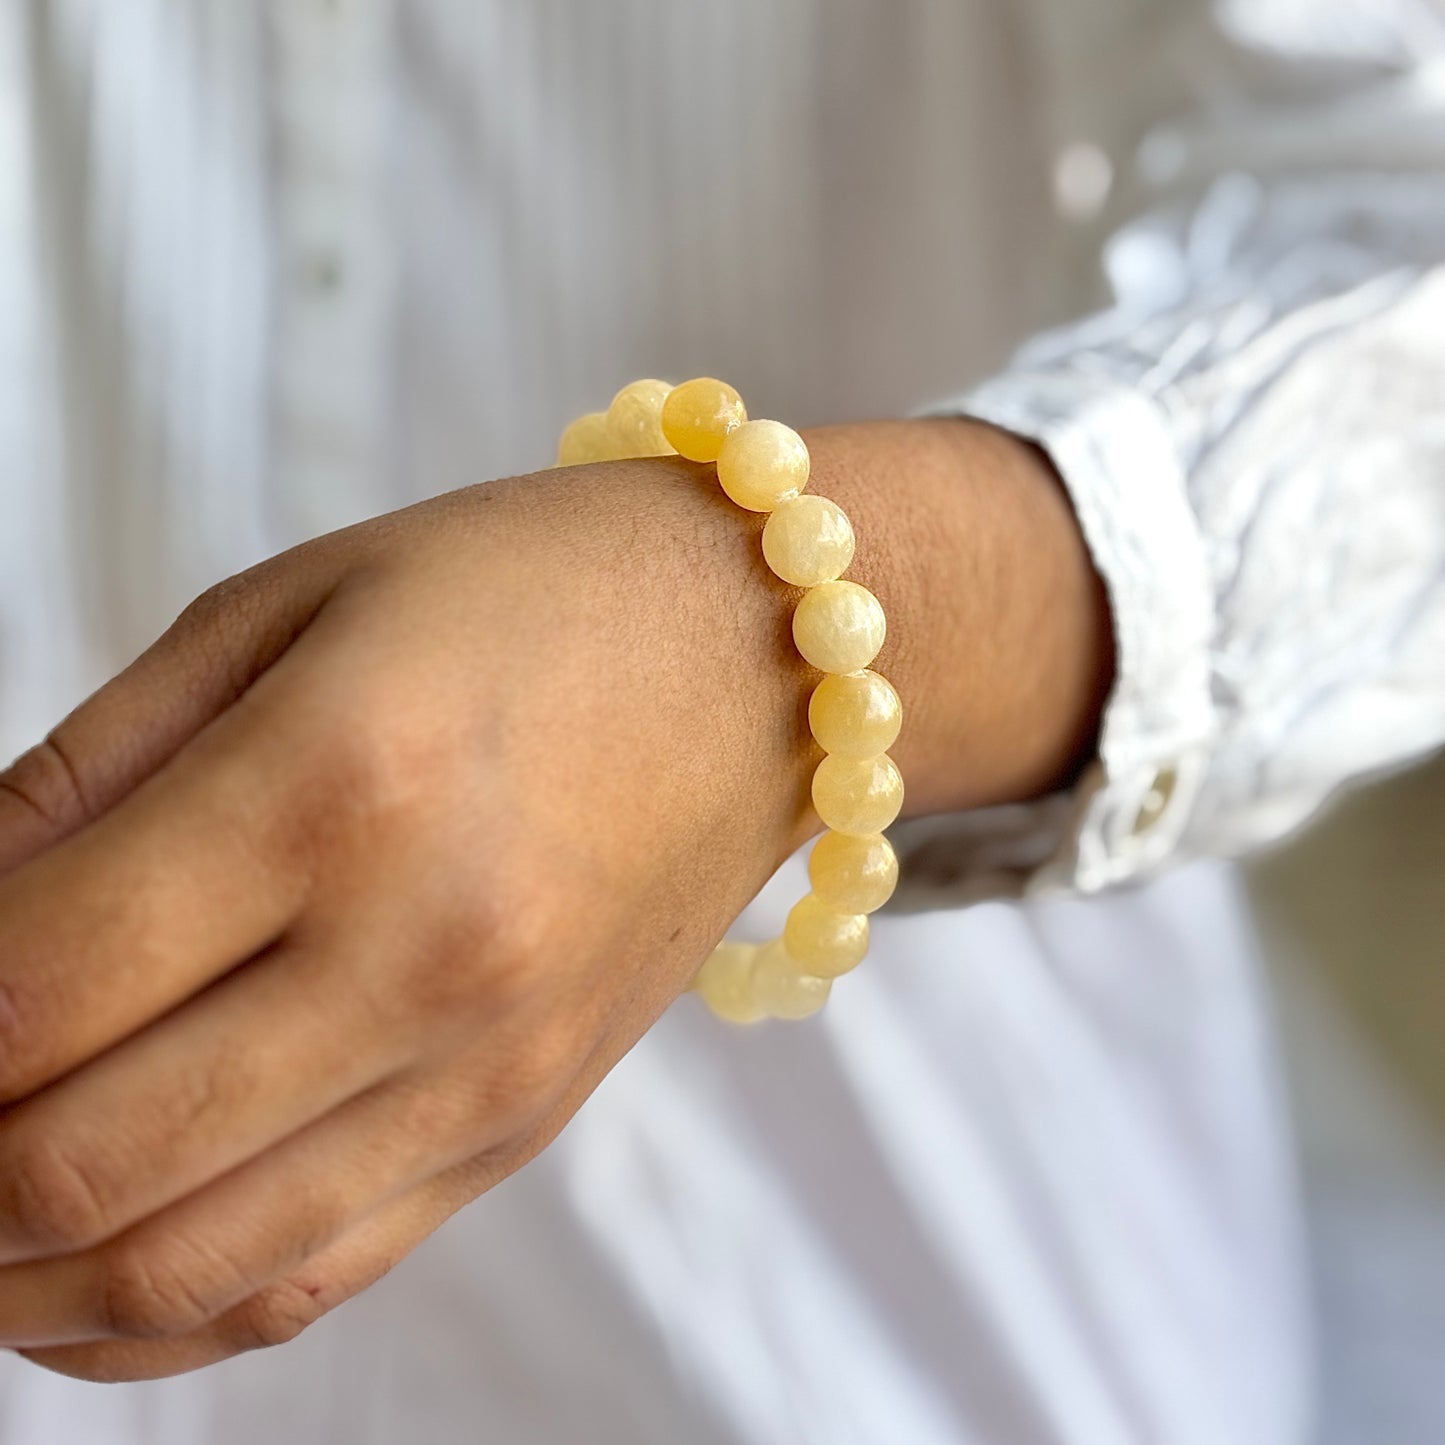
(1253, 438)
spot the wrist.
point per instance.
(999, 630)
(975, 552)
(999, 635)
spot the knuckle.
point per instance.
(154, 1294)
(526, 1075)
(25, 1038)
(193, 1105)
(438, 986)
(226, 626)
(54, 1200)
(465, 964)
(276, 1315)
(514, 931)
(540, 1070)
(478, 951)
(205, 607)
(368, 775)
(379, 763)
(220, 607)
(47, 780)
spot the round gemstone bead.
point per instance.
(698, 415)
(839, 626)
(586, 440)
(853, 874)
(855, 714)
(823, 940)
(725, 983)
(808, 540)
(634, 420)
(781, 989)
(853, 795)
(761, 464)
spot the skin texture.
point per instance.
(371, 868)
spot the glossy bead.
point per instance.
(781, 989)
(761, 464)
(855, 714)
(725, 983)
(634, 420)
(839, 626)
(853, 874)
(853, 795)
(698, 415)
(586, 440)
(808, 540)
(823, 940)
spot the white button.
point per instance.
(1154, 803)
(321, 270)
(1162, 156)
(1083, 178)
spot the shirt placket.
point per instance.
(330, 411)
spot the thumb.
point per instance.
(139, 720)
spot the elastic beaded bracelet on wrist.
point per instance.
(854, 714)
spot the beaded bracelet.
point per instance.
(854, 714)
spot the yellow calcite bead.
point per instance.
(761, 464)
(698, 415)
(634, 420)
(853, 874)
(725, 983)
(781, 989)
(808, 540)
(853, 795)
(823, 940)
(839, 626)
(586, 440)
(855, 714)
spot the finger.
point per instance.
(198, 869)
(183, 1267)
(278, 1313)
(253, 1059)
(333, 1272)
(121, 735)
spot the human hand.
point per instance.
(330, 911)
